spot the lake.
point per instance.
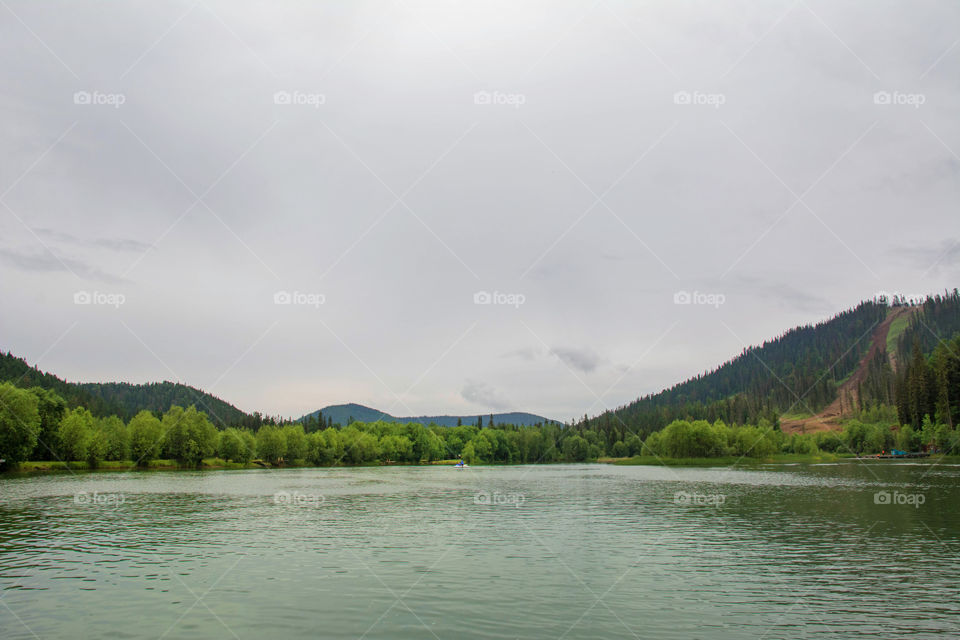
(853, 549)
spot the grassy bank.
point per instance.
(54, 466)
(43, 466)
(219, 463)
(727, 461)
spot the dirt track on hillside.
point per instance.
(829, 418)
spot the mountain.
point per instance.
(343, 413)
(825, 370)
(124, 399)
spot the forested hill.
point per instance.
(923, 379)
(123, 399)
(17, 371)
(762, 382)
(344, 414)
(128, 399)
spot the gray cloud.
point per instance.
(526, 353)
(482, 394)
(581, 359)
(115, 244)
(302, 197)
(941, 255)
(781, 293)
(47, 262)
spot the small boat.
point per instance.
(461, 465)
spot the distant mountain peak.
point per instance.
(344, 413)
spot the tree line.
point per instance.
(36, 424)
(702, 439)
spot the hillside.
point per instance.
(345, 413)
(850, 396)
(121, 398)
(127, 399)
(921, 377)
(834, 367)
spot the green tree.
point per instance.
(576, 449)
(362, 447)
(52, 409)
(855, 437)
(271, 444)
(469, 454)
(74, 434)
(116, 438)
(296, 442)
(480, 448)
(97, 446)
(231, 445)
(19, 423)
(189, 436)
(249, 451)
(390, 448)
(146, 438)
(908, 439)
(942, 438)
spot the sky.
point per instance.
(462, 207)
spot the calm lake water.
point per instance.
(559, 551)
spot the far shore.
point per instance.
(208, 464)
(217, 464)
(785, 458)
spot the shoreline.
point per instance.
(44, 467)
(33, 467)
(782, 459)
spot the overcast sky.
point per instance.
(183, 166)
